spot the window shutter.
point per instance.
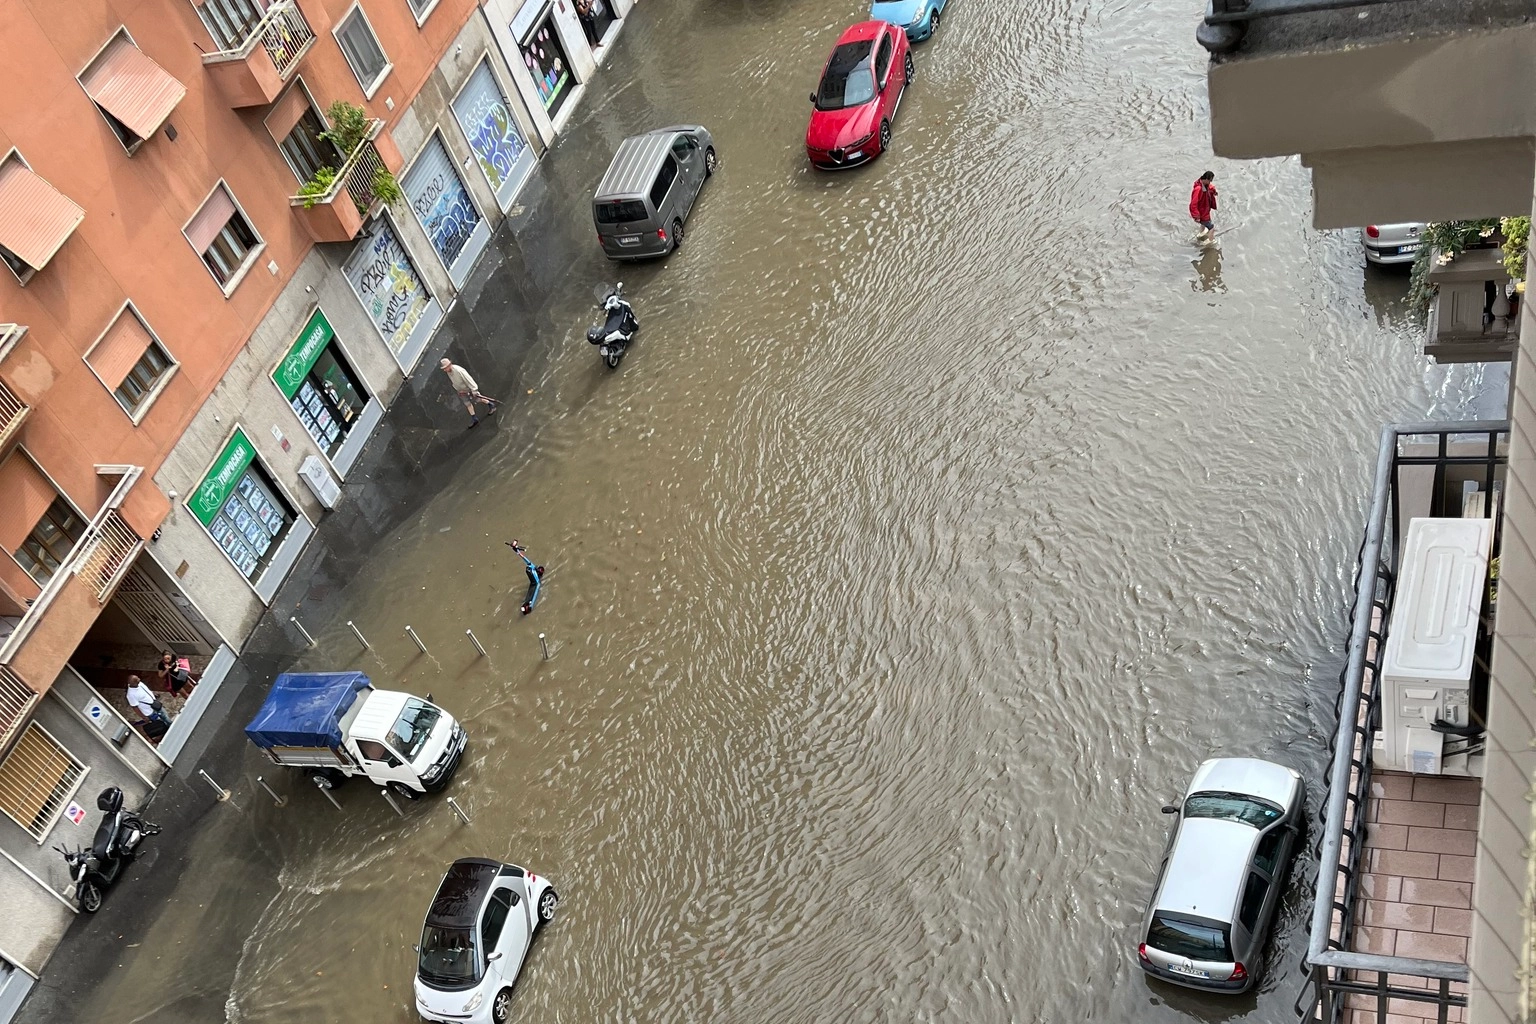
(210, 220)
(286, 112)
(121, 347)
(27, 496)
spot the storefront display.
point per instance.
(547, 63)
(321, 387)
(390, 289)
(243, 510)
(498, 144)
(447, 213)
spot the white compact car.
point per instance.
(477, 935)
(1391, 243)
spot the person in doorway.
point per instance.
(1202, 203)
(175, 674)
(587, 15)
(468, 391)
(142, 699)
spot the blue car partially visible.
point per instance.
(920, 18)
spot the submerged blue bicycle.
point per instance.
(535, 576)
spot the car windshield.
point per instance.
(410, 731)
(1192, 937)
(1232, 807)
(850, 77)
(448, 957)
(620, 211)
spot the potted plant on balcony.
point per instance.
(349, 132)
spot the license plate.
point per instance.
(629, 239)
(1402, 249)
(1189, 972)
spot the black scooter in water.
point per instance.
(620, 327)
(117, 838)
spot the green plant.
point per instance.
(349, 126)
(317, 186)
(1517, 234)
(385, 188)
(1446, 240)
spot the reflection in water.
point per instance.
(1208, 270)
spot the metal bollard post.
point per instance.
(308, 640)
(471, 634)
(543, 646)
(220, 790)
(277, 801)
(389, 798)
(412, 634)
(359, 634)
(453, 805)
(326, 791)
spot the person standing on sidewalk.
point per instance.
(142, 699)
(1202, 203)
(468, 391)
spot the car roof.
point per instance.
(461, 893)
(634, 163)
(1207, 868)
(1249, 776)
(863, 30)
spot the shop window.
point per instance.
(361, 48)
(224, 238)
(37, 778)
(51, 541)
(546, 61)
(321, 387)
(242, 507)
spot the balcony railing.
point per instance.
(355, 177)
(282, 33)
(10, 334)
(13, 413)
(16, 702)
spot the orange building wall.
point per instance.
(130, 244)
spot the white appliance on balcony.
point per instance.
(1426, 673)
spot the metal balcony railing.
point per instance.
(355, 177)
(1334, 971)
(282, 32)
(13, 412)
(10, 334)
(16, 702)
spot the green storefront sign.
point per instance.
(222, 477)
(290, 373)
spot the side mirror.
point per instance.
(1170, 809)
(416, 948)
(492, 957)
(813, 97)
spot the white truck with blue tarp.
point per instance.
(335, 725)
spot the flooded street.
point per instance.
(945, 514)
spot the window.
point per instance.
(495, 919)
(411, 730)
(1253, 901)
(147, 373)
(224, 238)
(35, 218)
(131, 362)
(305, 150)
(229, 21)
(50, 542)
(1266, 858)
(421, 8)
(664, 181)
(883, 60)
(1197, 938)
(373, 750)
(133, 94)
(848, 81)
(361, 48)
(684, 148)
(1232, 807)
(37, 779)
(620, 211)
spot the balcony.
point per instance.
(13, 413)
(337, 214)
(1472, 318)
(252, 73)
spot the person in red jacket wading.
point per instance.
(1202, 203)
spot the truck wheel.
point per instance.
(324, 778)
(400, 789)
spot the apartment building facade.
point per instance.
(213, 290)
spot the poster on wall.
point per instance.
(386, 282)
(441, 202)
(550, 67)
(499, 146)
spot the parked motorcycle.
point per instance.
(117, 838)
(620, 327)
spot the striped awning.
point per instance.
(35, 217)
(131, 87)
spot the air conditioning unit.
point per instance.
(1426, 673)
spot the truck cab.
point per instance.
(396, 737)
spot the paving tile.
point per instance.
(1450, 921)
(1441, 840)
(1392, 786)
(1461, 816)
(1381, 887)
(1407, 864)
(1374, 940)
(1388, 837)
(1412, 916)
(1448, 790)
(1427, 946)
(1410, 812)
(1457, 869)
(1436, 893)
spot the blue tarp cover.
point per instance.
(304, 709)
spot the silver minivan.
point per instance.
(1223, 873)
(644, 198)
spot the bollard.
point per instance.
(359, 634)
(308, 640)
(412, 634)
(325, 789)
(471, 634)
(544, 646)
(453, 805)
(223, 793)
(277, 801)
(389, 798)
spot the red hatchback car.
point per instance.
(861, 87)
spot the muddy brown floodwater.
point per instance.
(945, 514)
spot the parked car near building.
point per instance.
(1391, 243)
(857, 98)
(918, 18)
(1223, 873)
(649, 189)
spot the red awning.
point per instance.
(35, 218)
(131, 87)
